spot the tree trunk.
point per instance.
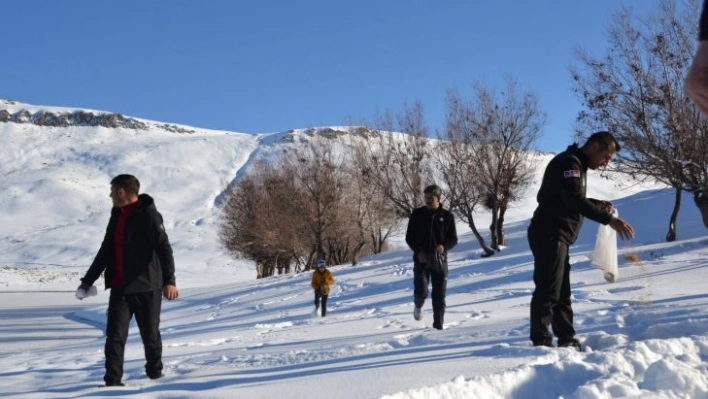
(312, 259)
(501, 240)
(355, 253)
(259, 269)
(377, 241)
(671, 235)
(487, 251)
(493, 228)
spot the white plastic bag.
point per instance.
(604, 256)
(81, 294)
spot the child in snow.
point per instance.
(321, 280)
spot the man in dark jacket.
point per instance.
(139, 269)
(555, 225)
(431, 234)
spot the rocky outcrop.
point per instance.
(82, 118)
(333, 133)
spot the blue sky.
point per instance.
(266, 66)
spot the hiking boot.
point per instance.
(112, 383)
(570, 343)
(544, 342)
(418, 314)
(155, 376)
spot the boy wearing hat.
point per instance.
(321, 280)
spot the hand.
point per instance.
(170, 292)
(440, 249)
(623, 229)
(696, 84)
(606, 205)
(82, 291)
(422, 257)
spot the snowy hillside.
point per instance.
(55, 185)
(232, 336)
(55, 189)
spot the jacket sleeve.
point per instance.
(100, 262)
(450, 232)
(98, 265)
(164, 251)
(315, 283)
(330, 278)
(411, 233)
(571, 175)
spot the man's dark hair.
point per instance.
(434, 190)
(604, 138)
(129, 183)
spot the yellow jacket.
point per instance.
(322, 279)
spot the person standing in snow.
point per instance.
(556, 222)
(696, 84)
(321, 280)
(139, 269)
(431, 233)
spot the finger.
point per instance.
(622, 234)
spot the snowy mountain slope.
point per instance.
(230, 335)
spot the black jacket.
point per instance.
(427, 228)
(147, 255)
(561, 199)
(703, 22)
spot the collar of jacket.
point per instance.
(144, 201)
(578, 153)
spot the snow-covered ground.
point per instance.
(645, 335)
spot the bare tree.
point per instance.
(332, 204)
(376, 219)
(496, 132)
(256, 225)
(508, 125)
(636, 92)
(318, 188)
(398, 165)
(304, 206)
(458, 168)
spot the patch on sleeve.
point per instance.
(571, 174)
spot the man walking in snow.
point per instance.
(139, 269)
(554, 227)
(321, 280)
(430, 234)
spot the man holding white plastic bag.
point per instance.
(562, 206)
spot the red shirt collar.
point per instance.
(129, 208)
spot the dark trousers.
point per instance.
(121, 308)
(550, 303)
(323, 298)
(421, 277)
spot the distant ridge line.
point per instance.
(84, 118)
